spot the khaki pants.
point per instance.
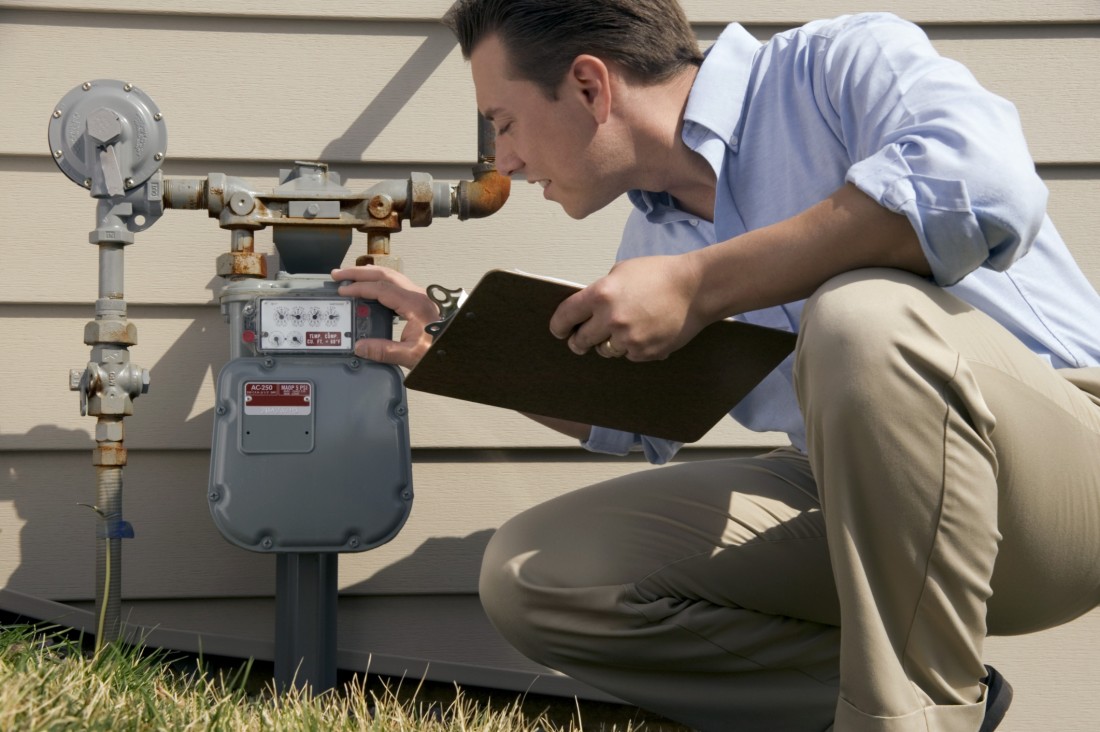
(952, 490)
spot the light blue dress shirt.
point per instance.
(865, 99)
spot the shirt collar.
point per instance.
(713, 110)
(717, 97)
(657, 207)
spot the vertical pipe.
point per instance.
(486, 140)
(110, 455)
(111, 271)
(108, 554)
(242, 241)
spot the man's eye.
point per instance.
(504, 129)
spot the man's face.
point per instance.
(555, 143)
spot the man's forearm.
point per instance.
(789, 260)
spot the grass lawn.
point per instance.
(50, 681)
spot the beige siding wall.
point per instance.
(377, 89)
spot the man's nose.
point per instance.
(508, 163)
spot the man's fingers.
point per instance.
(407, 301)
(386, 351)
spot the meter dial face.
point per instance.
(306, 325)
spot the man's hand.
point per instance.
(643, 309)
(398, 293)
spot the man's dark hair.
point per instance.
(651, 39)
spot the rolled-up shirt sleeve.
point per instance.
(931, 143)
(657, 451)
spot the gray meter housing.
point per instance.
(311, 442)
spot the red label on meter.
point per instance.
(325, 339)
(278, 397)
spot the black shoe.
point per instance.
(997, 699)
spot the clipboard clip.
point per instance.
(448, 301)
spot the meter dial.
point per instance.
(297, 316)
(281, 316)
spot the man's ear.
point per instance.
(590, 79)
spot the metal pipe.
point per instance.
(111, 383)
(486, 141)
(184, 193)
(489, 190)
(108, 552)
(112, 271)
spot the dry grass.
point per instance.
(49, 682)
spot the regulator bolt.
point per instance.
(86, 85)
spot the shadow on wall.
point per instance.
(397, 92)
(42, 542)
(440, 565)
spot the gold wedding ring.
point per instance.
(607, 350)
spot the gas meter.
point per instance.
(311, 443)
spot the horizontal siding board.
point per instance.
(173, 261)
(703, 11)
(278, 89)
(47, 540)
(426, 631)
(444, 628)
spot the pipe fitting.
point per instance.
(109, 455)
(116, 332)
(109, 430)
(484, 195)
(241, 264)
(421, 196)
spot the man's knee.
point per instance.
(851, 328)
(521, 600)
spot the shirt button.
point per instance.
(733, 140)
(694, 222)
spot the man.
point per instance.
(943, 480)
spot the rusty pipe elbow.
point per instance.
(484, 195)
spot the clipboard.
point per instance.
(496, 349)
